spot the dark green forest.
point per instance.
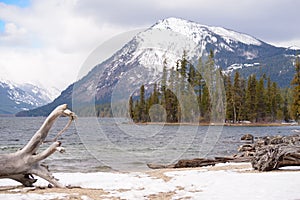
(188, 93)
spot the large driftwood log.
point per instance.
(271, 153)
(199, 162)
(265, 154)
(23, 164)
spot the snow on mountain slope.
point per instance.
(230, 36)
(47, 95)
(17, 97)
(200, 32)
(168, 38)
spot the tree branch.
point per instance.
(39, 137)
(46, 153)
(22, 164)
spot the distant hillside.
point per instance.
(20, 97)
(65, 97)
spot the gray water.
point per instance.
(115, 144)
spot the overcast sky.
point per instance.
(47, 41)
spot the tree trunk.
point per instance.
(272, 152)
(199, 162)
(272, 157)
(23, 164)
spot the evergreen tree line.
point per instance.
(255, 99)
(182, 95)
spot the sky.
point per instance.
(46, 42)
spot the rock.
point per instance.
(248, 137)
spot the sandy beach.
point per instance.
(223, 181)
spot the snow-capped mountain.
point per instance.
(141, 60)
(42, 93)
(18, 97)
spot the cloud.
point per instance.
(48, 41)
(43, 39)
(13, 35)
(267, 20)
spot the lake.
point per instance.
(106, 144)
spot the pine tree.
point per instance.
(152, 101)
(173, 110)
(164, 84)
(295, 108)
(276, 102)
(260, 100)
(237, 98)
(192, 76)
(183, 65)
(285, 109)
(229, 98)
(142, 105)
(182, 69)
(131, 108)
(199, 83)
(208, 87)
(205, 104)
(269, 109)
(243, 111)
(154, 97)
(251, 104)
(136, 111)
(172, 80)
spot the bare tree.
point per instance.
(26, 162)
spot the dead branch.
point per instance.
(23, 164)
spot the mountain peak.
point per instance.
(16, 97)
(141, 61)
(200, 32)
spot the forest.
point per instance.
(188, 93)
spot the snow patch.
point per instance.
(200, 183)
(237, 66)
(294, 47)
(230, 35)
(199, 32)
(32, 196)
(25, 96)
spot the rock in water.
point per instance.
(248, 137)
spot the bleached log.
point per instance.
(272, 157)
(198, 162)
(23, 164)
(265, 154)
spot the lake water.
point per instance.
(115, 144)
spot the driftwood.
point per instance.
(202, 162)
(23, 164)
(265, 154)
(198, 162)
(271, 153)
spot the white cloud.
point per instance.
(13, 35)
(48, 41)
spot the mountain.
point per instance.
(19, 97)
(141, 61)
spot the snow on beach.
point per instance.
(223, 181)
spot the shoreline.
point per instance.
(258, 124)
(222, 181)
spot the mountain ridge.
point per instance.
(141, 60)
(17, 97)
